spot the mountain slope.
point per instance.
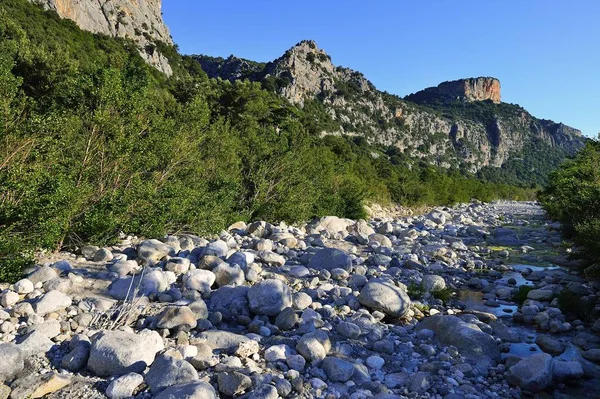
(457, 124)
(139, 20)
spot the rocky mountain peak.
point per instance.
(303, 71)
(138, 20)
(469, 90)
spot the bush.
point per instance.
(573, 198)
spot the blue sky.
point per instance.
(546, 53)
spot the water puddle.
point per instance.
(473, 300)
(522, 350)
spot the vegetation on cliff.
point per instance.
(95, 142)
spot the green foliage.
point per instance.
(573, 304)
(444, 294)
(521, 295)
(415, 291)
(573, 198)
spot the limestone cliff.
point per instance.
(472, 89)
(139, 20)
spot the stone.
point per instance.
(348, 330)
(329, 259)
(152, 251)
(419, 382)
(534, 373)
(12, 362)
(103, 255)
(152, 283)
(194, 390)
(167, 371)
(337, 370)
(566, 370)
(199, 308)
(296, 362)
(42, 274)
(550, 345)
(381, 240)
(226, 274)
(124, 386)
(375, 362)
(178, 265)
(218, 248)
(24, 286)
(232, 299)
(199, 280)
(222, 340)
(52, 301)
(9, 298)
(385, 297)
(180, 317)
(114, 353)
(49, 328)
(247, 348)
(286, 319)
(77, 358)
(540, 295)
(37, 386)
(431, 283)
(264, 392)
(35, 344)
(233, 383)
(314, 346)
(593, 355)
(277, 353)
(269, 297)
(477, 346)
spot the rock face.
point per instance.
(305, 72)
(473, 89)
(139, 20)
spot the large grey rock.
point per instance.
(550, 344)
(314, 346)
(222, 340)
(232, 299)
(385, 297)
(152, 251)
(199, 280)
(52, 301)
(330, 258)
(194, 390)
(566, 370)
(226, 274)
(116, 353)
(167, 371)
(35, 344)
(337, 370)
(77, 358)
(218, 248)
(534, 373)
(477, 346)
(269, 297)
(152, 283)
(42, 274)
(432, 282)
(124, 386)
(12, 362)
(234, 383)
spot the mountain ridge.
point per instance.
(461, 122)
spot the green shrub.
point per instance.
(573, 198)
(521, 294)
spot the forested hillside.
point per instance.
(95, 142)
